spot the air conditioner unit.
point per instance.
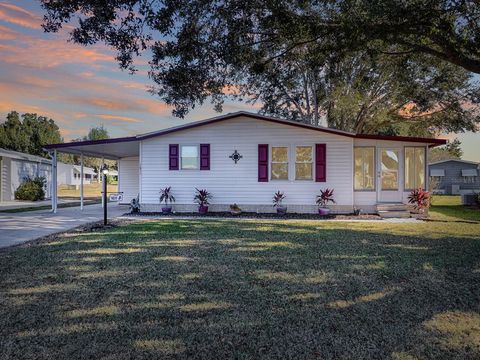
(469, 199)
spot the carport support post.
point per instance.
(54, 182)
(100, 176)
(81, 181)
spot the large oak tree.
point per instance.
(201, 48)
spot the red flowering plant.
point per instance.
(420, 199)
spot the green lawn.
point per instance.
(450, 208)
(245, 289)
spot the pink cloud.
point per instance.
(117, 117)
(19, 16)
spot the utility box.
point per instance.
(455, 189)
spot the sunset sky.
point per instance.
(82, 87)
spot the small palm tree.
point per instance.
(166, 195)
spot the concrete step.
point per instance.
(388, 214)
(392, 207)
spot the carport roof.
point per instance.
(110, 149)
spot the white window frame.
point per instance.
(363, 173)
(294, 150)
(181, 158)
(270, 162)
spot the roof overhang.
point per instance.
(112, 149)
(129, 146)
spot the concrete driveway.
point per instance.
(17, 228)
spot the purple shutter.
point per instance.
(263, 163)
(173, 157)
(204, 156)
(320, 162)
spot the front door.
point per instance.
(388, 175)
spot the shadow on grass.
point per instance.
(244, 289)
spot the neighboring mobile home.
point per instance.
(455, 177)
(244, 158)
(69, 174)
(15, 167)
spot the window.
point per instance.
(303, 163)
(414, 167)
(279, 168)
(364, 168)
(189, 157)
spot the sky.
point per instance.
(82, 87)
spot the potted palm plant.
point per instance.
(278, 197)
(135, 205)
(323, 199)
(202, 198)
(166, 197)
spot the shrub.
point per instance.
(278, 197)
(419, 198)
(202, 197)
(31, 189)
(325, 197)
(166, 195)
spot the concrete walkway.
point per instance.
(17, 228)
(18, 204)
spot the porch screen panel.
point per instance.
(364, 178)
(414, 168)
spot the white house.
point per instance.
(68, 174)
(244, 158)
(15, 167)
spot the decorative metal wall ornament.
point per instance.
(235, 156)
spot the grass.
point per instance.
(90, 191)
(245, 289)
(450, 208)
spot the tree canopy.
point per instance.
(452, 150)
(28, 133)
(335, 59)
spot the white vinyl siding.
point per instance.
(238, 183)
(128, 175)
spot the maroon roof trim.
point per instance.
(402, 138)
(433, 142)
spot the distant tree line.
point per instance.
(29, 132)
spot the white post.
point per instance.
(102, 179)
(81, 181)
(54, 182)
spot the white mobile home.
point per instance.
(15, 167)
(69, 174)
(244, 158)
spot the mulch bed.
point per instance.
(250, 215)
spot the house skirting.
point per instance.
(261, 209)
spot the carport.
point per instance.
(111, 149)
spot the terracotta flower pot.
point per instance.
(323, 211)
(167, 210)
(203, 209)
